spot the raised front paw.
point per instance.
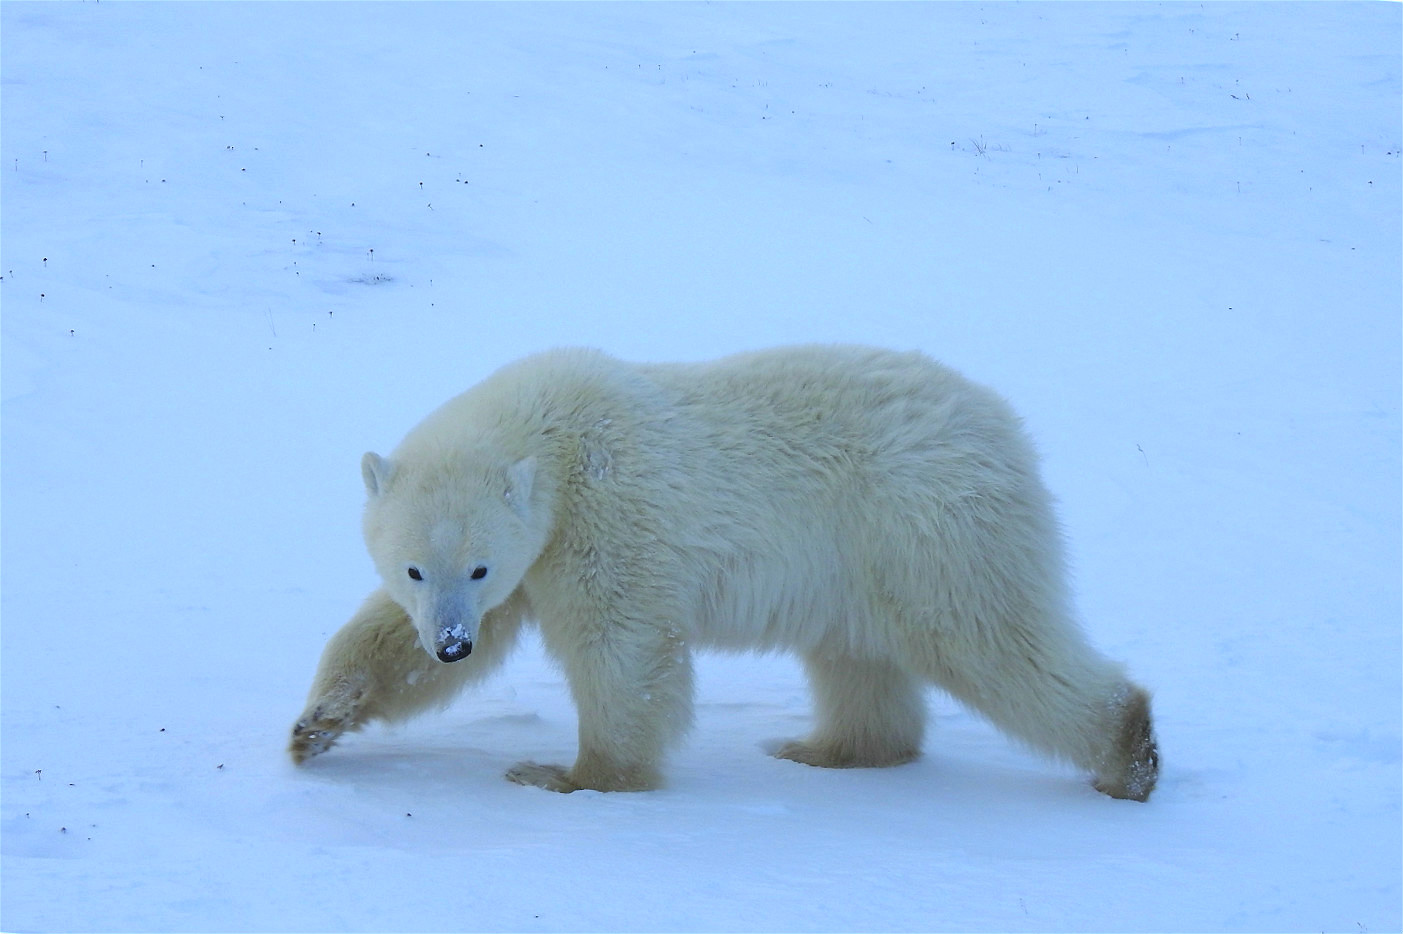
(549, 777)
(325, 719)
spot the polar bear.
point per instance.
(872, 511)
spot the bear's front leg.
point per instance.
(632, 686)
(374, 668)
(341, 696)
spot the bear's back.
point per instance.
(847, 407)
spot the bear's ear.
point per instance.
(519, 478)
(375, 471)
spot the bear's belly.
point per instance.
(772, 605)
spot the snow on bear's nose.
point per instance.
(453, 650)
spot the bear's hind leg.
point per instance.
(1053, 691)
(870, 713)
(1132, 766)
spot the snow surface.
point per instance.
(244, 243)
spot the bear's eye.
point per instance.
(479, 573)
(414, 574)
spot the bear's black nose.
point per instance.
(454, 651)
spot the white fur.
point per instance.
(874, 512)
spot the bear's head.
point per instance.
(452, 532)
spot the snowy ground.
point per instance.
(244, 243)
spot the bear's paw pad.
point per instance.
(317, 731)
(311, 739)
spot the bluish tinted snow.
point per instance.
(244, 243)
